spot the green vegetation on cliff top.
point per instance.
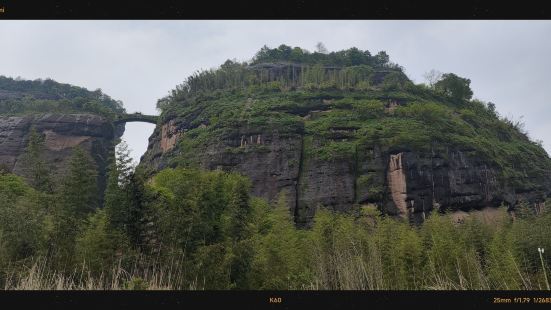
(18, 97)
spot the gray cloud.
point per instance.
(140, 61)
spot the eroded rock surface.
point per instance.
(339, 148)
(169, 136)
(407, 184)
(62, 133)
(397, 183)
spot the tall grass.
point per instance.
(340, 252)
(478, 254)
(39, 276)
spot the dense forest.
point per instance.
(18, 96)
(188, 228)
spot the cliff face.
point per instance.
(407, 184)
(62, 133)
(343, 136)
(408, 150)
(420, 182)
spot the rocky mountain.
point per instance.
(65, 116)
(342, 130)
(311, 130)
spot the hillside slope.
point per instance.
(344, 129)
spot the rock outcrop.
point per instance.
(342, 136)
(169, 136)
(407, 184)
(397, 185)
(62, 133)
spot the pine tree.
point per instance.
(125, 164)
(80, 191)
(135, 213)
(115, 201)
(78, 196)
(39, 171)
(123, 195)
(120, 171)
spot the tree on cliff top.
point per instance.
(320, 48)
(456, 87)
(350, 57)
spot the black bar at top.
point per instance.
(273, 9)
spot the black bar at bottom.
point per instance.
(275, 299)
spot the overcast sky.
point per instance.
(508, 62)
